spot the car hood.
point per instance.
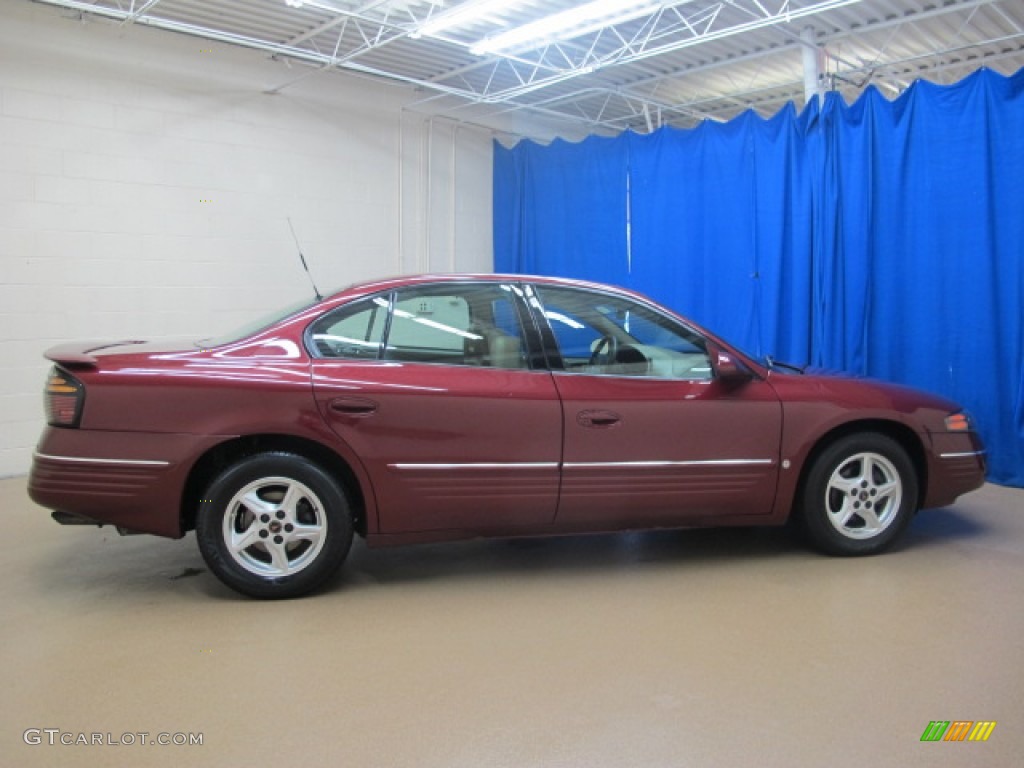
(857, 392)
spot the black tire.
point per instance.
(859, 495)
(274, 525)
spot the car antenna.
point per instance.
(303, 260)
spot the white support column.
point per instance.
(812, 65)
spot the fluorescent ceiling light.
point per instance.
(568, 24)
(318, 4)
(463, 13)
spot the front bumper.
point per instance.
(956, 466)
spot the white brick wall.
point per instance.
(146, 177)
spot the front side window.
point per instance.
(456, 324)
(608, 335)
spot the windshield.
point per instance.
(254, 326)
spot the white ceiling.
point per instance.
(682, 62)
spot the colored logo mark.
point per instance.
(958, 730)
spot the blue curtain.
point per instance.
(881, 238)
(561, 209)
(717, 215)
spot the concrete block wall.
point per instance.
(146, 179)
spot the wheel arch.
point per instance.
(903, 435)
(223, 455)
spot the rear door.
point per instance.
(651, 436)
(432, 386)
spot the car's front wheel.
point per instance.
(274, 525)
(860, 494)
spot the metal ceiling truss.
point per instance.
(845, 74)
(360, 29)
(381, 38)
(670, 28)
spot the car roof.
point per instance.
(390, 283)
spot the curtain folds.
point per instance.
(880, 238)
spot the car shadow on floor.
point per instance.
(599, 553)
(102, 562)
(683, 548)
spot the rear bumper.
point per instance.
(129, 479)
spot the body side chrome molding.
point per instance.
(84, 460)
(961, 454)
(479, 465)
(585, 464)
(656, 464)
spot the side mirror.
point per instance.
(728, 369)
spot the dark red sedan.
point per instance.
(442, 407)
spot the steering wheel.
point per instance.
(604, 351)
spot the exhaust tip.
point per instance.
(71, 518)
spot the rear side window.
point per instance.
(428, 328)
(448, 324)
(353, 331)
(456, 324)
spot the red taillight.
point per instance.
(63, 398)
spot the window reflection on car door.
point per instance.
(651, 436)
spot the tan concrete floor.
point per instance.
(701, 648)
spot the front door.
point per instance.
(651, 436)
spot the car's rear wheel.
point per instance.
(859, 495)
(274, 525)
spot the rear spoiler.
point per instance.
(79, 353)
